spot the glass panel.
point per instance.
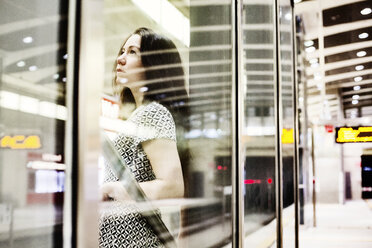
(167, 114)
(259, 123)
(286, 70)
(33, 37)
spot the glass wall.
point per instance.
(166, 118)
(259, 142)
(33, 55)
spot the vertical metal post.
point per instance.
(237, 104)
(278, 126)
(296, 128)
(71, 127)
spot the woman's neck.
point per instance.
(138, 96)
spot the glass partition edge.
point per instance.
(69, 218)
(91, 77)
(278, 127)
(296, 129)
(237, 111)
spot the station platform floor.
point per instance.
(346, 225)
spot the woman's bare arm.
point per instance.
(165, 162)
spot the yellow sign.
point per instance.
(20, 142)
(353, 134)
(287, 136)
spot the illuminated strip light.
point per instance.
(26, 104)
(43, 165)
(168, 16)
(252, 181)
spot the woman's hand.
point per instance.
(114, 191)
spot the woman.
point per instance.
(150, 75)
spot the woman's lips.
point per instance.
(119, 70)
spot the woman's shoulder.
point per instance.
(154, 109)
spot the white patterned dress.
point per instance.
(122, 225)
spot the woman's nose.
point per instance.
(121, 59)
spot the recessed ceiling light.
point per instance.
(314, 65)
(28, 39)
(363, 35)
(361, 53)
(356, 87)
(359, 67)
(143, 89)
(313, 61)
(366, 11)
(308, 43)
(32, 68)
(355, 97)
(358, 79)
(288, 16)
(65, 56)
(21, 63)
(310, 49)
(64, 79)
(56, 76)
(354, 102)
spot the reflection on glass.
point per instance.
(33, 39)
(286, 70)
(259, 124)
(166, 107)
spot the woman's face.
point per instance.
(129, 69)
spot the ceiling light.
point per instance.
(355, 97)
(313, 61)
(65, 56)
(310, 49)
(32, 68)
(366, 11)
(64, 79)
(21, 63)
(359, 67)
(314, 65)
(361, 53)
(363, 35)
(358, 79)
(288, 16)
(357, 87)
(56, 76)
(143, 89)
(354, 102)
(308, 43)
(28, 39)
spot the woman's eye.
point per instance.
(132, 52)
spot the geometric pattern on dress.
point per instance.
(122, 225)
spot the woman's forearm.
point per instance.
(160, 189)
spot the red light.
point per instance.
(329, 128)
(219, 167)
(225, 168)
(269, 180)
(249, 181)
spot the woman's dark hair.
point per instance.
(165, 77)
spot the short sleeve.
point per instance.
(155, 122)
